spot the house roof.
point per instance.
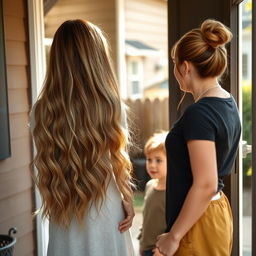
(139, 45)
(138, 48)
(160, 85)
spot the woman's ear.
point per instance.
(186, 66)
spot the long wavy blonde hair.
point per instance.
(78, 133)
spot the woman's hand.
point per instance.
(129, 215)
(156, 252)
(167, 244)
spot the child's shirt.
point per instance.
(153, 216)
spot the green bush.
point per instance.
(247, 124)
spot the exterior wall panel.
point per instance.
(16, 188)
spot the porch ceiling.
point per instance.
(48, 4)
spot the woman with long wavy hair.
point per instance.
(83, 170)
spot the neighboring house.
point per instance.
(159, 90)
(146, 23)
(137, 56)
(137, 32)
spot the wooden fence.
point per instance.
(145, 117)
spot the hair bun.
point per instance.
(215, 33)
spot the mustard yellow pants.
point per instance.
(212, 234)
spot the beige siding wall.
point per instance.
(146, 21)
(101, 12)
(16, 190)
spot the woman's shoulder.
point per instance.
(196, 110)
(200, 115)
(210, 107)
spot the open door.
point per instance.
(183, 16)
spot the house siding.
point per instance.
(146, 21)
(16, 187)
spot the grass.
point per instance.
(138, 201)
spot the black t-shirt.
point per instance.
(211, 118)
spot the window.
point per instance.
(135, 77)
(135, 87)
(135, 68)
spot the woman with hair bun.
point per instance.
(201, 149)
(83, 170)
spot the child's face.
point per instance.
(156, 164)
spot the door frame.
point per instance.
(37, 73)
(253, 128)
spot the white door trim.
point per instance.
(36, 45)
(37, 71)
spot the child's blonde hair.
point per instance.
(156, 143)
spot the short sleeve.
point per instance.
(198, 125)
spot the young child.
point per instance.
(154, 201)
